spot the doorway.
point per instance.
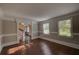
(28, 33)
(21, 28)
(24, 33)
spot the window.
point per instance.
(65, 27)
(28, 29)
(46, 28)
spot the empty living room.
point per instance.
(39, 28)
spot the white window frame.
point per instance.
(44, 30)
(69, 29)
(28, 29)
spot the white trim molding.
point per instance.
(75, 33)
(73, 45)
(0, 49)
(0, 44)
(53, 32)
(2, 35)
(8, 18)
(10, 43)
(7, 44)
(34, 37)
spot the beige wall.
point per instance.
(9, 31)
(9, 27)
(8, 39)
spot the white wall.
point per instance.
(34, 30)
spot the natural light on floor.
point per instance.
(15, 49)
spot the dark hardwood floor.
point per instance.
(39, 47)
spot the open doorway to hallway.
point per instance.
(24, 32)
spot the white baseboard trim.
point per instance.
(7, 44)
(52, 40)
(0, 49)
(10, 43)
(73, 45)
(0, 44)
(34, 37)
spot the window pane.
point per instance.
(65, 27)
(28, 29)
(46, 28)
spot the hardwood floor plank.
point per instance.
(39, 47)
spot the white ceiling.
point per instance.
(38, 12)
